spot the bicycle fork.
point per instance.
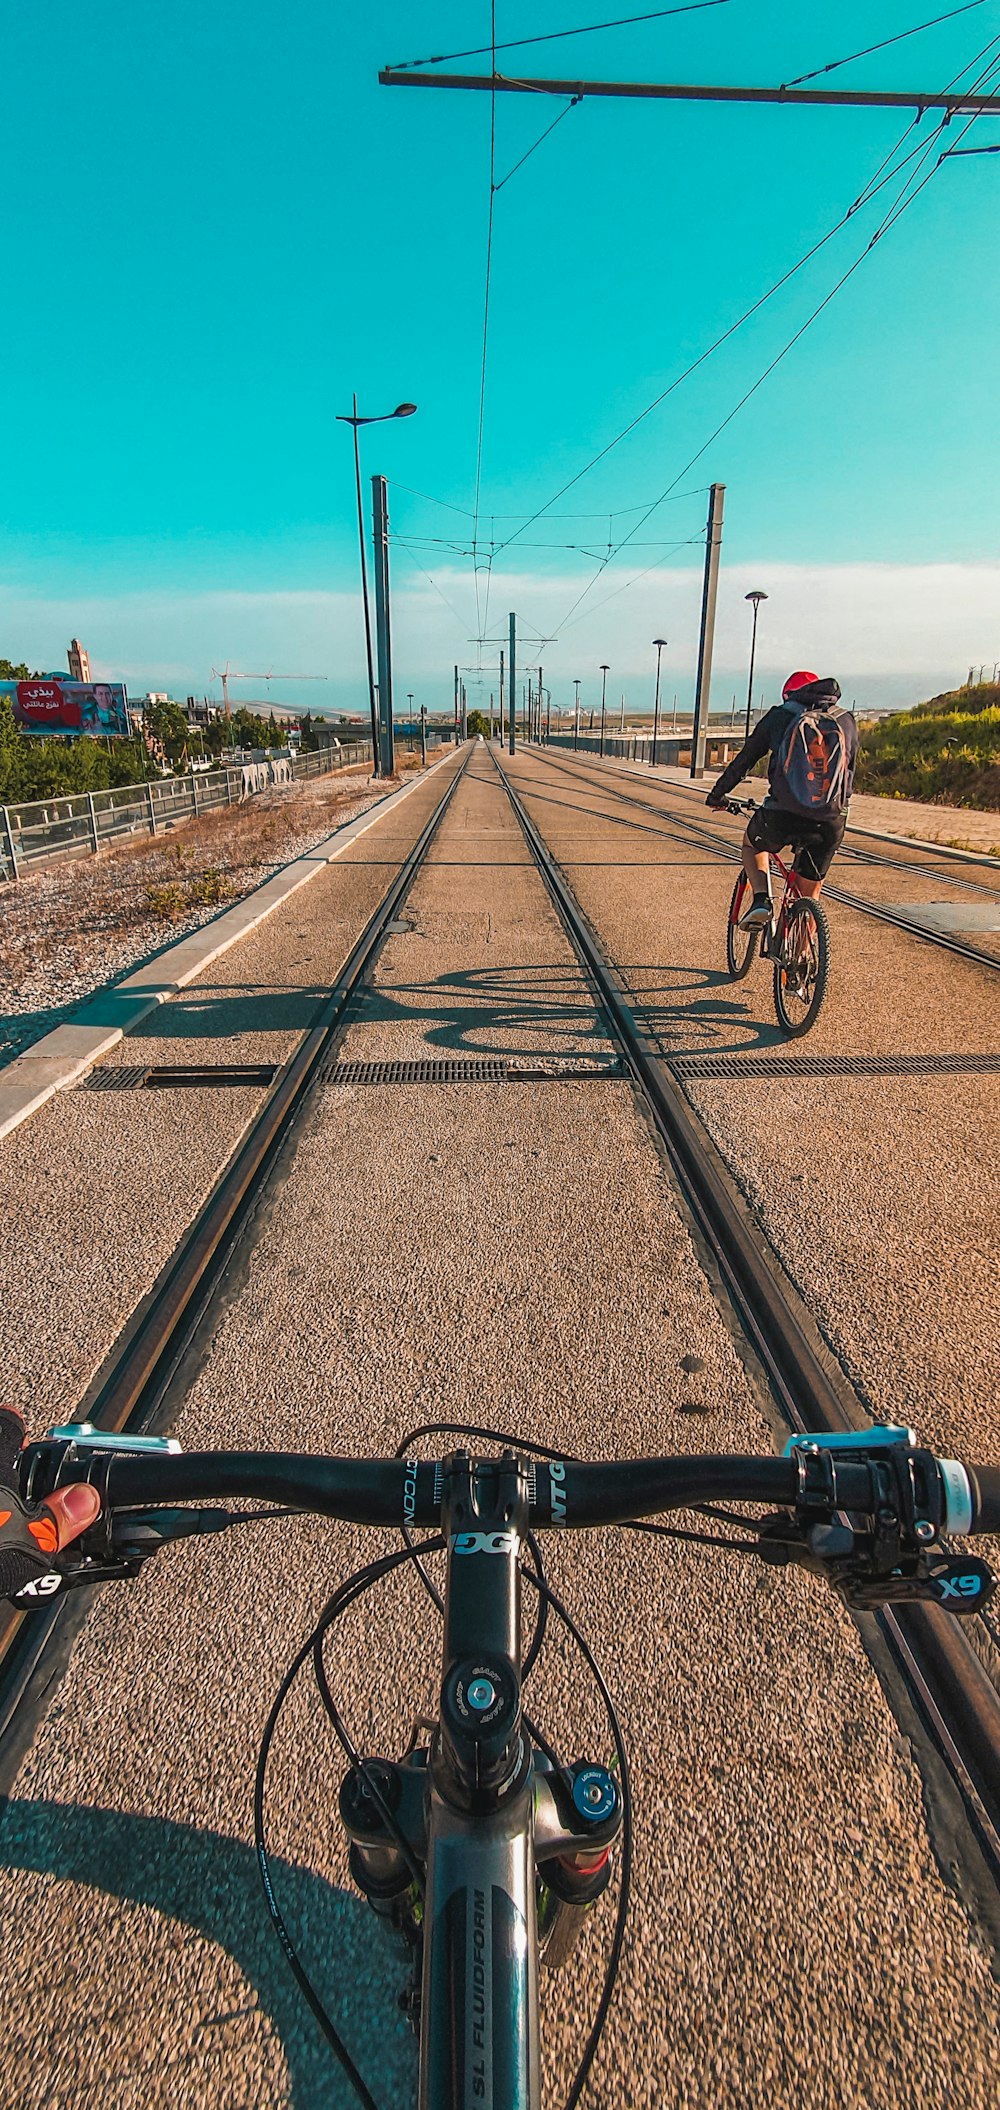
(483, 1818)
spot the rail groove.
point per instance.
(138, 1369)
(958, 1702)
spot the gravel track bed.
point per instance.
(71, 931)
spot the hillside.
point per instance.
(946, 751)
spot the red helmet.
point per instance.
(797, 681)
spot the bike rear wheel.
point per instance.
(741, 945)
(801, 967)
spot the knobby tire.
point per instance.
(794, 1016)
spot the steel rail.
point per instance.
(138, 1368)
(935, 853)
(956, 1698)
(730, 854)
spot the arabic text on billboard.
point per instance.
(57, 704)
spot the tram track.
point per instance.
(729, 853)
(938, 1668)
(128, 1388)
(941, 1673)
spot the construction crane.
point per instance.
(225, 675)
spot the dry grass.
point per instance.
(71, 929)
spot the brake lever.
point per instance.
(116, 1548)
(851, 1563)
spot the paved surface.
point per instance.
(96, 1189)
(513, 1254)
(60, 1058)
(881, 1195)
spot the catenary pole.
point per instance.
(511, 691)
(710, 590)
(380, 508)
(373, 708)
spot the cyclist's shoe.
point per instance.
(758, 915)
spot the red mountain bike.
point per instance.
(798, 943)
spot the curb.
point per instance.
(65, 1055)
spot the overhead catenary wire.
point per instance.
(900, 38)
(876, 182)
(414, 559)
(552, 36)
(571, 105)
(486, 328)
(904, 198)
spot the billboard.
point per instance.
(56, 704)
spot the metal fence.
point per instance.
(673, 750)
(49, 830)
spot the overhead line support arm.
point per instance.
(683, 92)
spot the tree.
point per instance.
(8, 671)
(11, 745)
(477, 722)
(167, 724)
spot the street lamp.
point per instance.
(576, 713)
(659, 642)
(402, 410)
(756, 597)
(605, 671)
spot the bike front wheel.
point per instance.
(801, 968)
(741, 945)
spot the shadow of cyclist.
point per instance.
(210, 1884)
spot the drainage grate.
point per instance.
(164, 1077)
(746, 1066)
(483, 1069)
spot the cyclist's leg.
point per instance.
(756, 864)
(761, 836)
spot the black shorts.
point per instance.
(815, 842)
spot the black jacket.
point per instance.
(766, 736)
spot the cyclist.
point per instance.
(813, 747)
(30, 1535)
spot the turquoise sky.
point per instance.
(218, 225)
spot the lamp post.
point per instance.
(576, 713)
(402, 410)
(605, 671)
(756, 597)
(659, 642)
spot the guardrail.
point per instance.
(80, 824)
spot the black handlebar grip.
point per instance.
(984, 1482)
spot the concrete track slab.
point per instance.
(514, 1255)
(97, 1188)
(660, 901)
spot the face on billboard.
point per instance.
(57, 704)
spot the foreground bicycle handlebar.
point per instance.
(481, 1850)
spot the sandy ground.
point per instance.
(513, 1254)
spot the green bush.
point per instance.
(944, 752)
